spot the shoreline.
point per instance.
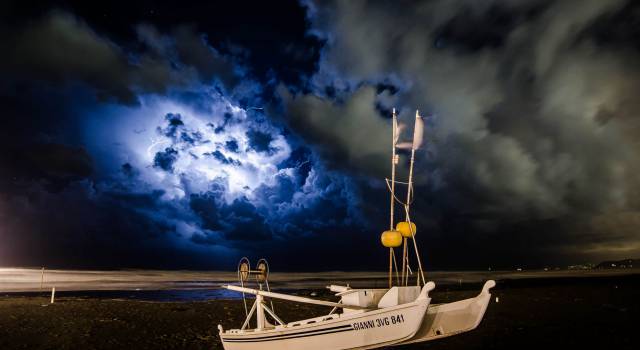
(213, 293)
(29, 280)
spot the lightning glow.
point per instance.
(237, 160)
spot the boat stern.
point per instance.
(445, 320)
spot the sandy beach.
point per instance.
(588, 312)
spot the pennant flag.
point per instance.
(418, 132)
(397, 127)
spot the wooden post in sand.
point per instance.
(53, 295)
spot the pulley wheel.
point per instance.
(263, 270)
(243, 270)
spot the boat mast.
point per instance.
(394, 160)
(405, 252)
(418, 135)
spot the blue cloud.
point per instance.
(165, 159)
(260, 141)
(221, 158)
(232, 146)
(221, 177)
(184, 159)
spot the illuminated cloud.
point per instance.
(230, 173)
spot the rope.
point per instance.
(244, 300)
(395, 263)
(415, 246)
(270, 300)
(396, 181)
(394, 195)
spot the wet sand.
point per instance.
(571, 313)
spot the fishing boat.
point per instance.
(370, 318)
(361, 318)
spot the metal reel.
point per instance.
(262, 271)
(244, 270)
(262, 277)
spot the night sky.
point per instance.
(192, 133)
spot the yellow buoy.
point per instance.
(404, 228)
(391, 239)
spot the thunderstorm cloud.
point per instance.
(180, 138)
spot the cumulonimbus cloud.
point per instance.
(535, 116)
(61, 47)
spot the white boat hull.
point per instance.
(358, 330)
(445, 320)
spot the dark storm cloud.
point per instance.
(301, 159)
(206, 205)
(121, 49)
(158, 125)
(146, 129)
(244, 222)
(278, 211)
(536, 115)
(185, 46)
(351, 134)
(221, 158)
(128, 170)
(81, 227)
(259, 141)
(55, 160)
(60, 47)
(174, 122)
(165, 159)
(232, 190)
(39, 140)
(231, 145)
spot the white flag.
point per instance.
(418, 132)
(398, 128)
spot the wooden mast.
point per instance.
(418, 135)
(393, 186)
